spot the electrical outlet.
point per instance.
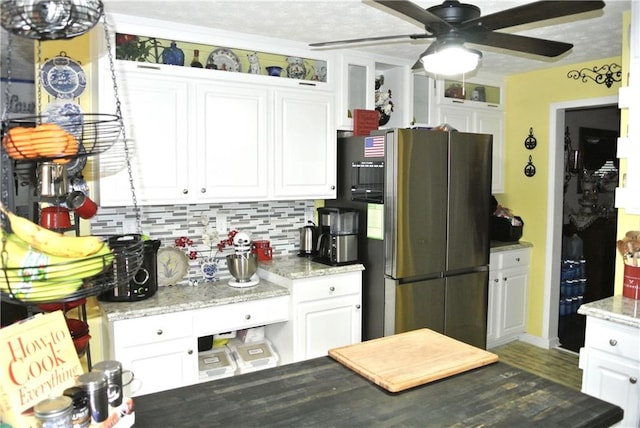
(129, 226)
(309, 215)
(221, 225)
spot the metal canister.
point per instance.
(54, 412)
(95, 385)
(80, 416)
(113, 371)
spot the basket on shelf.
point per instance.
(50, 20)
(63, 282)
(31, 138)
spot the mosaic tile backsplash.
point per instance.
(275, 221)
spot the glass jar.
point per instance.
(54, 412)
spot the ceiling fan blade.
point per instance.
(518, 43)
(532, 12)
(414, 11)
(370, 39)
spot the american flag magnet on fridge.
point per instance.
(374, 146)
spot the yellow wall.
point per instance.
(528, 100)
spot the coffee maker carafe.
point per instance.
(338, 240)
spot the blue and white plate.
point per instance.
(63, 78)
(67, 114)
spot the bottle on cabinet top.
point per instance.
(195, 62)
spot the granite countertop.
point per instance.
(498, 246)
(180, 298)
(619, 309)
(184, 297)
(295, 267)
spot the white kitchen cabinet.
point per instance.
(326, 313)
(305, 145)
(357, 88)
(610, 363)
(508, 289)
(483, 121)
(232, 142)
(161, 350)
(158, 127)
(196, 140)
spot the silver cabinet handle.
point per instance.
(185, 191)
(159, 332)
(332, 288)
(357, 306)
(203, 190)
(613, 342)
(496, 280)
(333, 187)
(247, 317)
(633, 380)
(517, 259)
(190, 351)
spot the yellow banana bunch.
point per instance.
(51, 242)
(37, 276)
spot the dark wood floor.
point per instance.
(558, 365)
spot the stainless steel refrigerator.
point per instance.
(424, 203)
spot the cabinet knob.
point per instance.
(633, 380)
(333, 187)
(505, 279)
(190, 351)
(358, 306)
(517, 259)
(185, 191)
(159, 332)
(203, 190)
(496, 280)
(247, 317)
(613, 342)
(332, 288)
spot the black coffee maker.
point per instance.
(144, 283)
(338, 240)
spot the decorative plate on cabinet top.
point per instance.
(67, 114)
(173, 265)
(223, 59)
(62, 77)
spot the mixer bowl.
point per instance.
(242, 266)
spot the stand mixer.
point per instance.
(243, 264)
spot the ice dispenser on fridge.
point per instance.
(338, 236)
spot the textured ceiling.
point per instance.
(594, 34)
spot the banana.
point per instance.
(32, 275)
(50, 242)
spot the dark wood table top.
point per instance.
(323, 393)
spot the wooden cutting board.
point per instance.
(410, 359)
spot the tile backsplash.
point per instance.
(276, 221)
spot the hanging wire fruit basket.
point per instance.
(34, 138)
(50, 19)
(73, 280)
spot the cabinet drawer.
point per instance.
(238, 316)
(613, 338)
(328, 286)
(510, 259)
(157, 328)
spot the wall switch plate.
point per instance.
(221, 224)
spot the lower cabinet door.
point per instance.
(615, 380)
(325, 324)
(160, 366)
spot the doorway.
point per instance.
(555, 210)
(589, 220)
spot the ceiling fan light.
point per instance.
(450, 60)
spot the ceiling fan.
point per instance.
(452, 24)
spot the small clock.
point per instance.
(173, 265)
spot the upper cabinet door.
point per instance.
(156, 119)
(232, 141)
(492, 122)
(305, 147)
